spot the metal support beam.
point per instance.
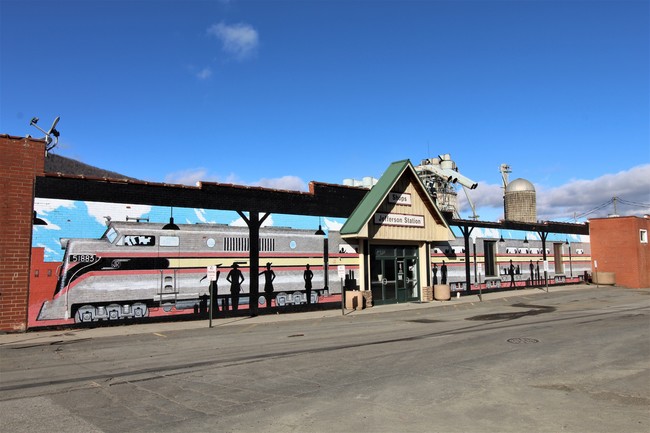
(466, 231)
(543, 236)
(254, 222)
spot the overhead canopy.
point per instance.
(321, 200)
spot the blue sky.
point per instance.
(279, 93)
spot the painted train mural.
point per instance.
(98, 262)
(138, 269)
(511, 263)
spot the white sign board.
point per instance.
(341, 271)
(403, 199)
(212, 273)
(402, 220)
(545, 265)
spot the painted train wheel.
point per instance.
(139, 310)
(281, 299)
(113, 312)
(85, 314)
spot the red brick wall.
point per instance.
(616, 247)
(42, 282)
(22, 160)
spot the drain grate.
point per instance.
(522, 340)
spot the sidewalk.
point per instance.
(67, 335)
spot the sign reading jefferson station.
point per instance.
(402, 220)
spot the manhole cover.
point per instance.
(522, 340)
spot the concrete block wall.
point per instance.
(23, 159)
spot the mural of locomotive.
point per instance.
(138, 269)
(512, 263)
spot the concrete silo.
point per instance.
(520, 201)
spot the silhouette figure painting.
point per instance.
(215, 292)
(443, 273)
(435, 274)
(532, 272)
(235, 278)
(307, 276)
(269, 276)
(511, 272)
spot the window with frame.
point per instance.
(643, 236)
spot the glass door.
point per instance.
(401, 281)
(383, 282)
(394, 275)
(411, 282)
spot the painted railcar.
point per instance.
(138, 269)
(490, 262)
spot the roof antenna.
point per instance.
(50, 143)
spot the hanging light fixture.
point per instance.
(171, 225)
(526, 239)
(37, 221)
(501, 237)
(320, 231)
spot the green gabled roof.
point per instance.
(371, 201)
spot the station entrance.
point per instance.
(394, 274)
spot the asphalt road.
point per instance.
(576, 359)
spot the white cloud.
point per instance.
(239, 222)
(631, 187)
(194, 175)
(240, 40)
(291, 183)
(189, 177)
(487, 199)
(577, 197)
(200, 215)
(116, 211)
(45, 206)
(49, 225)
(332, 225)
(204, 74)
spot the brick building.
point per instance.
(620, 245)
(23, 160)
